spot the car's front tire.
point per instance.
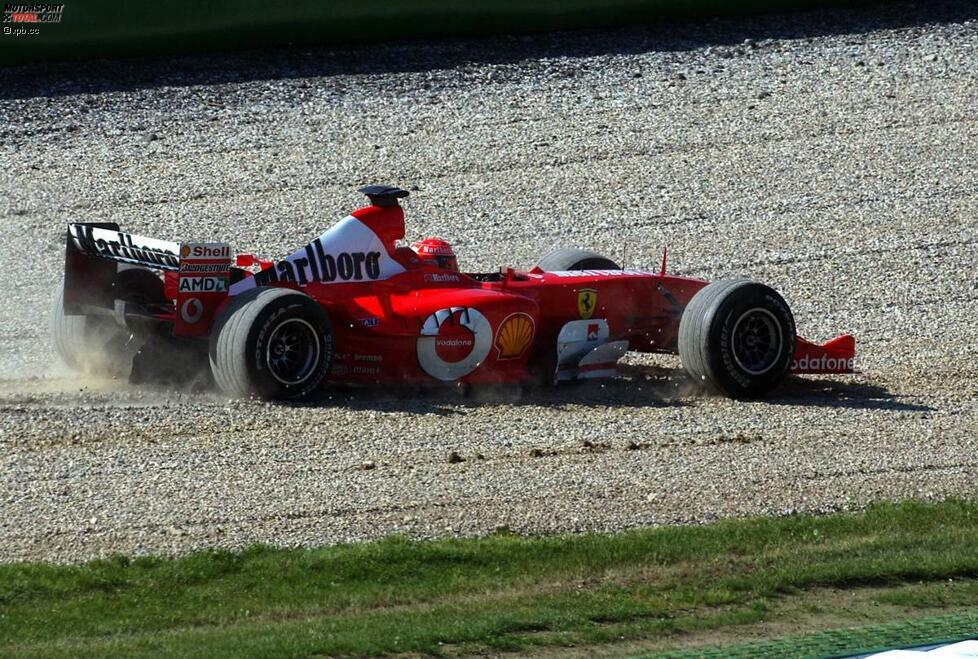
(737, 337)
(273, 343)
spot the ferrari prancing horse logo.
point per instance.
(587, 299)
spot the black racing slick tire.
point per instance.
(69, 334)
(737, 337)
(96, 345)
(272, 343)
(569, 258)
(138, 285)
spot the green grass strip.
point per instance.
(931, 630)
(499, 592)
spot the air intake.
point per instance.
(383, 195)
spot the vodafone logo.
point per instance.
(823, 364)
(191, 310)
(453, 342)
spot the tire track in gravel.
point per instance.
(618, 154)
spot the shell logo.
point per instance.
(514, 335)
(184, 251)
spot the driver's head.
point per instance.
(435, 251)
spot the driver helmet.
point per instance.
(435, 251)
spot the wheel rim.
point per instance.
(757, 341)
(292, 354)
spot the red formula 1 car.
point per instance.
(353, 307)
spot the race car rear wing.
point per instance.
(106, 241)
(94, 252)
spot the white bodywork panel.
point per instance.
(583, 350)
(348, 252)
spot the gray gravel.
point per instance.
(836, 162)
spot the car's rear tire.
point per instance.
(137, 285)
(737, 337)
(273, 343)
(96, 345)
(570, 258)
(69, 334)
